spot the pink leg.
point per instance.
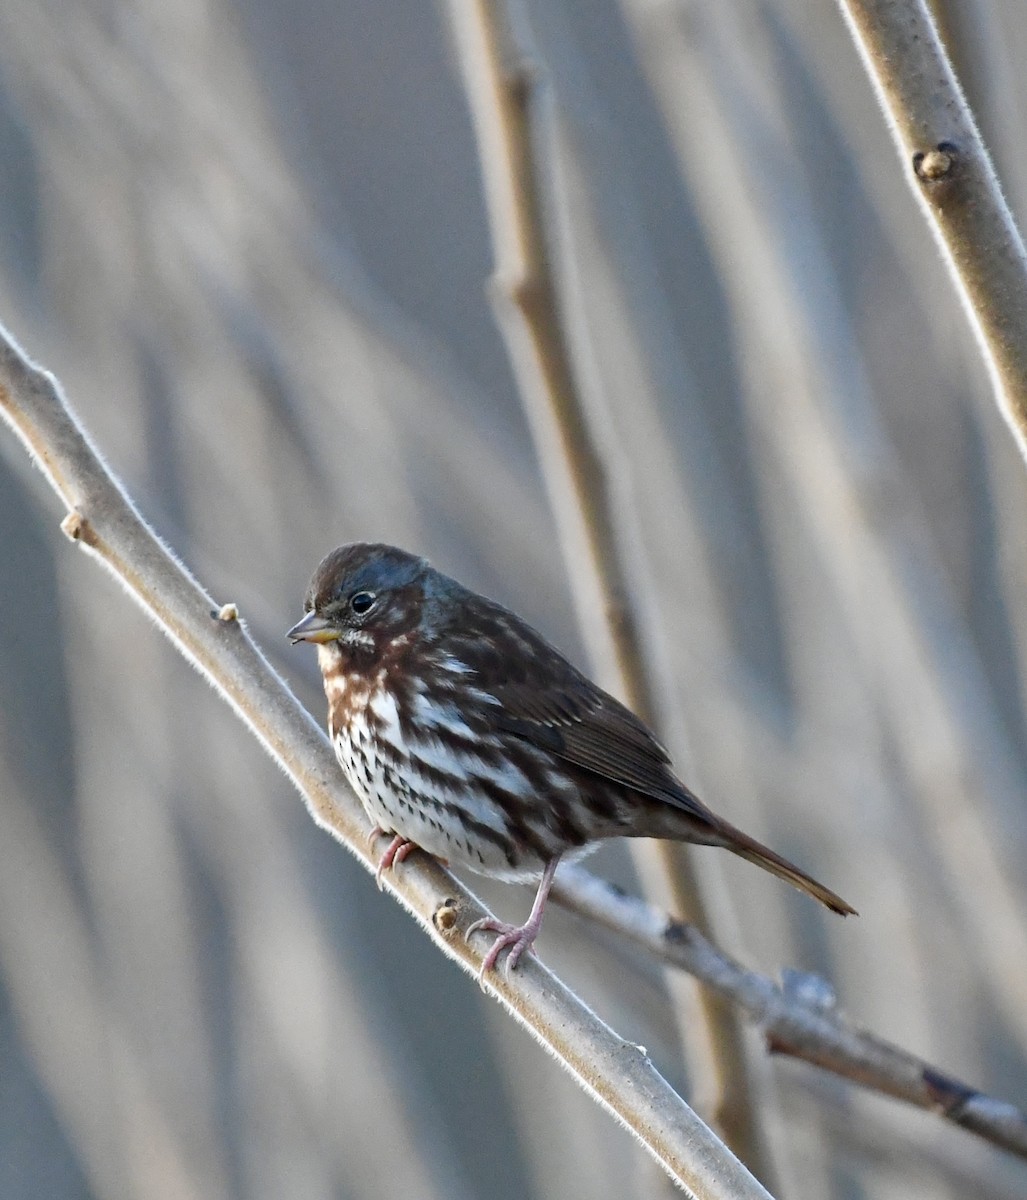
(516, 938)
(396, 852)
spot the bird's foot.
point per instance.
(396, 852)
(513, 938)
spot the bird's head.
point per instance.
(363, 596)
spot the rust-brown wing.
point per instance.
(583, 725)
(537, 694)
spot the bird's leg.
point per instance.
(516, 938)
(396, 851)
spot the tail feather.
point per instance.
(752, 851)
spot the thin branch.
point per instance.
(505, 85)
(800, 1019)
(103, 521)
(795, 1021)
(951, 173)
(810, 390)
(507, 91)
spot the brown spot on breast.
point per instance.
(347, 689)
(351, 679)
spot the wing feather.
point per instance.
(585, 726)
(540, 696)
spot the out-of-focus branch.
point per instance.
(951, 173)
(103, 521)
(505, 88)
(799, 1020)
(811, 392)
(507, 93)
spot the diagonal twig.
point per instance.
(951, 174)
(102, 520)
(799, 1019)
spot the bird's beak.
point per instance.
(312, 629)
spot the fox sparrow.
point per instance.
(466, 734)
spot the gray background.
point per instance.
(250, 240)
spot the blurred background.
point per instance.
(250, 239)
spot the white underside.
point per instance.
(404, 800)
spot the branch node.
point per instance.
(677, 933)
(227, 612)
(74, 526)
(776, 1045)
(809, 990)
(936, 165)
(948, 1095)
(444, 918)
(519, 288)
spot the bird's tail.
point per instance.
(748, 848)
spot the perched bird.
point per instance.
(465, 733)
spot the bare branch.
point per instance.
(102, 520)
(951, 173)
(508, 95)
(810, 391)
(800, 1019)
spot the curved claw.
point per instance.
(396, 852)
(515, 938)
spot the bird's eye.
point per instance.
(362, 602)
